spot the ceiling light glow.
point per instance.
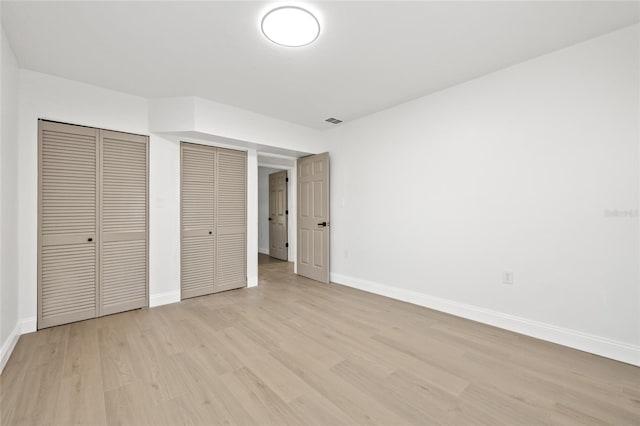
(290, 26)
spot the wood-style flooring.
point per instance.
(296, 352)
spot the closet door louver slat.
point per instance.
(123, 283)
(231, 191)
(92, 223)
(197, 220)
(68, 222)
(214, 218)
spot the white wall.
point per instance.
(202, 118)
(236, 123)
(9, 319)
(45, 96)
(519, 170)
(49, 97)
(164, 220)
(263, 208)
(252, 218)
(516, 171)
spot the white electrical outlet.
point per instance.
(507, 277)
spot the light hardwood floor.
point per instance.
(295, 352)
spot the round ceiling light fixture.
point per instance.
(290, 26)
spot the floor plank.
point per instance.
(293, 351)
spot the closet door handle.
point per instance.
(90, 239)
(210, 232)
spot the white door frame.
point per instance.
(277, 213)
(292, 202)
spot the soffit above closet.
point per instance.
(369, 56)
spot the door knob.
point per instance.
(269, 218)
(322, 224)
(210, 232)
(90, 239)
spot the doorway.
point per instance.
(278, 212)
(275, 193)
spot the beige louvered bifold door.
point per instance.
(197, 220)
(67, 264)
(213, 219)
(231, 195)
(123, 242)
(93, 223)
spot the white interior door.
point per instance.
(278, 211)
(313, 217)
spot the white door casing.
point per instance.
(278, 212)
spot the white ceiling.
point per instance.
(370, 55)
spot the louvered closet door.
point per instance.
(67, 272)
(197, 217)
(124, 255)
(231, 192)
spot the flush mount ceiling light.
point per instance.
(290, 26)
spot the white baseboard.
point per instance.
(598, 345)
(164, 298)
(28, 325)
(263, 251)
(8, 345)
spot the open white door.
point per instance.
(278, 211)
(313, 217)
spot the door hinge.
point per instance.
(286, 245)
(286, 212)
(287, 180)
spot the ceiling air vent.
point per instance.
(333, 120)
